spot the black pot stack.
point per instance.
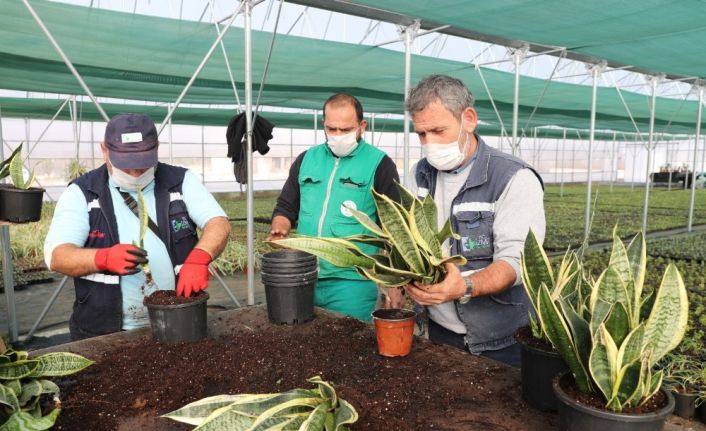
(289, 277)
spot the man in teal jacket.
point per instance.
(340, 171)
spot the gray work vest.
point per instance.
(490, 320)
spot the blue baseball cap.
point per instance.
(132, 141)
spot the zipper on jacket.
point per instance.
(328, 197)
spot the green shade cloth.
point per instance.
(658, 35)
(138, 57)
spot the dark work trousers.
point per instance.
(438, 334)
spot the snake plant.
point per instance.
(409, 243)
(611, 332)
(24, 382)
(299, 409)
(12, 166)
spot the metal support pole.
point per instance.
(669, 166)
(7, 273)
(696, 154)
(65, 58)
(171, 143)
(595, 71)
(203, 153)
(634, 157)
(223, 284)
(74, 125)
(556, 159)
(518, 54)
(563, 149)
(613, 166)
(93, 148)
(688, 145)
(654, 82)
(316, 126)
(46, 309)
(248, 151)
(409, 34)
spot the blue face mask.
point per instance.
(128, 182)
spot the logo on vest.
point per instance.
(96, 234)
(478, 243)
(178, 225)
(345, 208)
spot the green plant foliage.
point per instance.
(612, 338)
(409, 241)
(5, 164)
(23, 382)
(299, 409)
(16, 173)
(74, 170)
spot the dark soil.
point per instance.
(657, 402)
(435, 387)
(393, 314)
(524, 336)
(169, 297)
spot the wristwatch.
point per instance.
(469, 291)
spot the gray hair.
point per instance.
(450, 92)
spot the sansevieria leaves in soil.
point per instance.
(611, 331)
(24, 381)
(316, 409)
(408, 240)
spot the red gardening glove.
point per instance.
(121, 259)
(193, 276)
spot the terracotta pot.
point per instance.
(394, 329)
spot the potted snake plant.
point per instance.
(540, 362)
(612, 339)
(19, 202)
(409, 249)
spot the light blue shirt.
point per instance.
(70, 226)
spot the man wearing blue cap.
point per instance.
(95, 224)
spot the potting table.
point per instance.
(489, 399)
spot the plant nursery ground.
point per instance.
(135, 380)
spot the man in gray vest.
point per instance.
(493, 199)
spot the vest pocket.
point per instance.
(309, 194)
(476, 231)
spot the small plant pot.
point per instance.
(394, 330)
(684, 404)
(701, 412)
(289, 302)
(538, 369)
(181, 322)
(21, 205)
(574, 416)
(289, 268)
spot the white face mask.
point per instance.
(128, 182)
(446, 157)
(343, 145)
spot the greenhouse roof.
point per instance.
(653, 36)
(130, 56)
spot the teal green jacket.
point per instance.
(327, 182)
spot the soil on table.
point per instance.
(654, 404)
(169, 297)
(435, 387)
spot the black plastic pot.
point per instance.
(684, 405)
(179, 322)
(538, 369)
(289, 302)
(287, 257)
(289, 268)
(21, 205)
(289, 278)
(579, 417)
(701, 412)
